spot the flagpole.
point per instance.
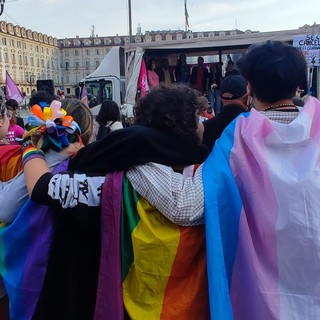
(186, 16)
(130, 22)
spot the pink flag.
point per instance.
(142, 81)
(12, 90)
(84, 95)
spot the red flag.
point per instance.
(12, 90)
(142, 81)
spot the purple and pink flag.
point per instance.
(84, 95)
(12, 90)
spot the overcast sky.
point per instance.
(68, 18)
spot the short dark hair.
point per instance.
(274, 69)
(171, 109)
(109, 111)
(149, 64)
(41, 96)
(12, 103)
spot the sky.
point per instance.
(71, 18)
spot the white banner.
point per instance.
(310, 46)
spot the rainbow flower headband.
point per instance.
(54, 122)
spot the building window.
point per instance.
(66, 53)
(67, 65)
(4, 41)
(97, 51)
(32, 62)
(76, 52)
(87, 52)
(97, 63)
(77, 65)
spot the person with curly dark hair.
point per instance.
(41, 96)
(164, 131)
(170, 108)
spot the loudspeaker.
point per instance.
(45, 85)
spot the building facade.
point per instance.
(28, 56)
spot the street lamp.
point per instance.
(30, 78)
(2, 2)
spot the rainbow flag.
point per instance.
(24, 251)
(152, 267)
(262, 218)
(10, 161)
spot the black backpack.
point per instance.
(103, 131)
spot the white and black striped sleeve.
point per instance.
(68, 190)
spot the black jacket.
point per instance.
(214, 127)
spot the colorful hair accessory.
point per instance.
(54, 122)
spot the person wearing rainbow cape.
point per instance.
(150, 268)
(27, 229)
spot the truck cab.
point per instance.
(106, 82)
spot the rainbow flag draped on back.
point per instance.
(24, 250)
(150, 266)
(262, 209)
(10, 161)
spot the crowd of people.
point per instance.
(204, 78)
(118, 220)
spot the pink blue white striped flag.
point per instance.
(262, 218)
(12, 90)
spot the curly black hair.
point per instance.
(172, 109)
(41, 96)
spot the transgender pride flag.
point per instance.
(262, 210)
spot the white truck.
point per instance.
(115, 79)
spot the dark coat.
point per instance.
(205, 77)
(214, 127)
